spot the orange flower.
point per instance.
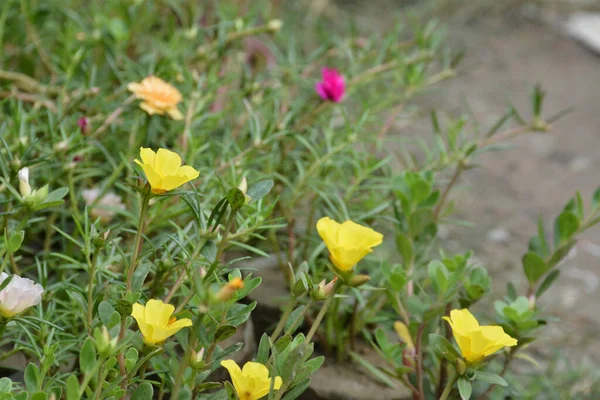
(158, 97)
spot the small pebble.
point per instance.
(498, 235)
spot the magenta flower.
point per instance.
(332, 85)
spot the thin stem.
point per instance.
(448, 387)
(286, 314)
(444, 362)
(457, 172)
(181, 278)
(419, 359)
(112, 117)
(90, 297)
(138, 240)
(98, 393)
(322, 312)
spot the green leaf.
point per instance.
(72, 388)
(297, 390)
(143, 392)
(372, 369)
(547, 282)
(490, 377)
(184, 394)
(224, 332)
(420, 220)
(438, 273)
(535, 267)
(464, 388)
(56, 195)
(39, 396)
(292, 319)
(32, 378)
(262, 355)
(565, 226)
(140, 274)
(105, 312)
(87, 356)
(259, 189)
(405, 247)
(443, 347)
(15, 241)
(209, 251)
(5, 385)
(596, 199)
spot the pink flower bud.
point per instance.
(332, 86)
(83, 124)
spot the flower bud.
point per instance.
(461, 367)
(229, 289)
(197, 359)
(323, 289)
(62, 145)
(24, 187)
(359, 280)
(84, 125)
(243, 187)
(124, 308)
(274, 25)
(104, 343)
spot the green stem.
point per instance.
(90, 297)
(448, 387)
(286, 314)
(138, 240)
(98, 393)
(322, 312)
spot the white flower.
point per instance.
(19, 295)
(106, 207)
(24, 187)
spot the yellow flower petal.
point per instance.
(475, 341)
(239, 383)
(158, 313)
(175, 113)
(163, 169)
(167, 162)
(328, 230)
(158, 96)
(348, 243)
(147, 155)
(256, 370)
(352, 234)
(151, 109)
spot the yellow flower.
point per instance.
(475, 341)
(252, 382)
(158, 97)
(348, 243)
(163, 169)
(155, 321)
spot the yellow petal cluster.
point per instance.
(158, 97)
(252, 382)
(164, 170)
(155, 322)
(348, 243)
(476, 341)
